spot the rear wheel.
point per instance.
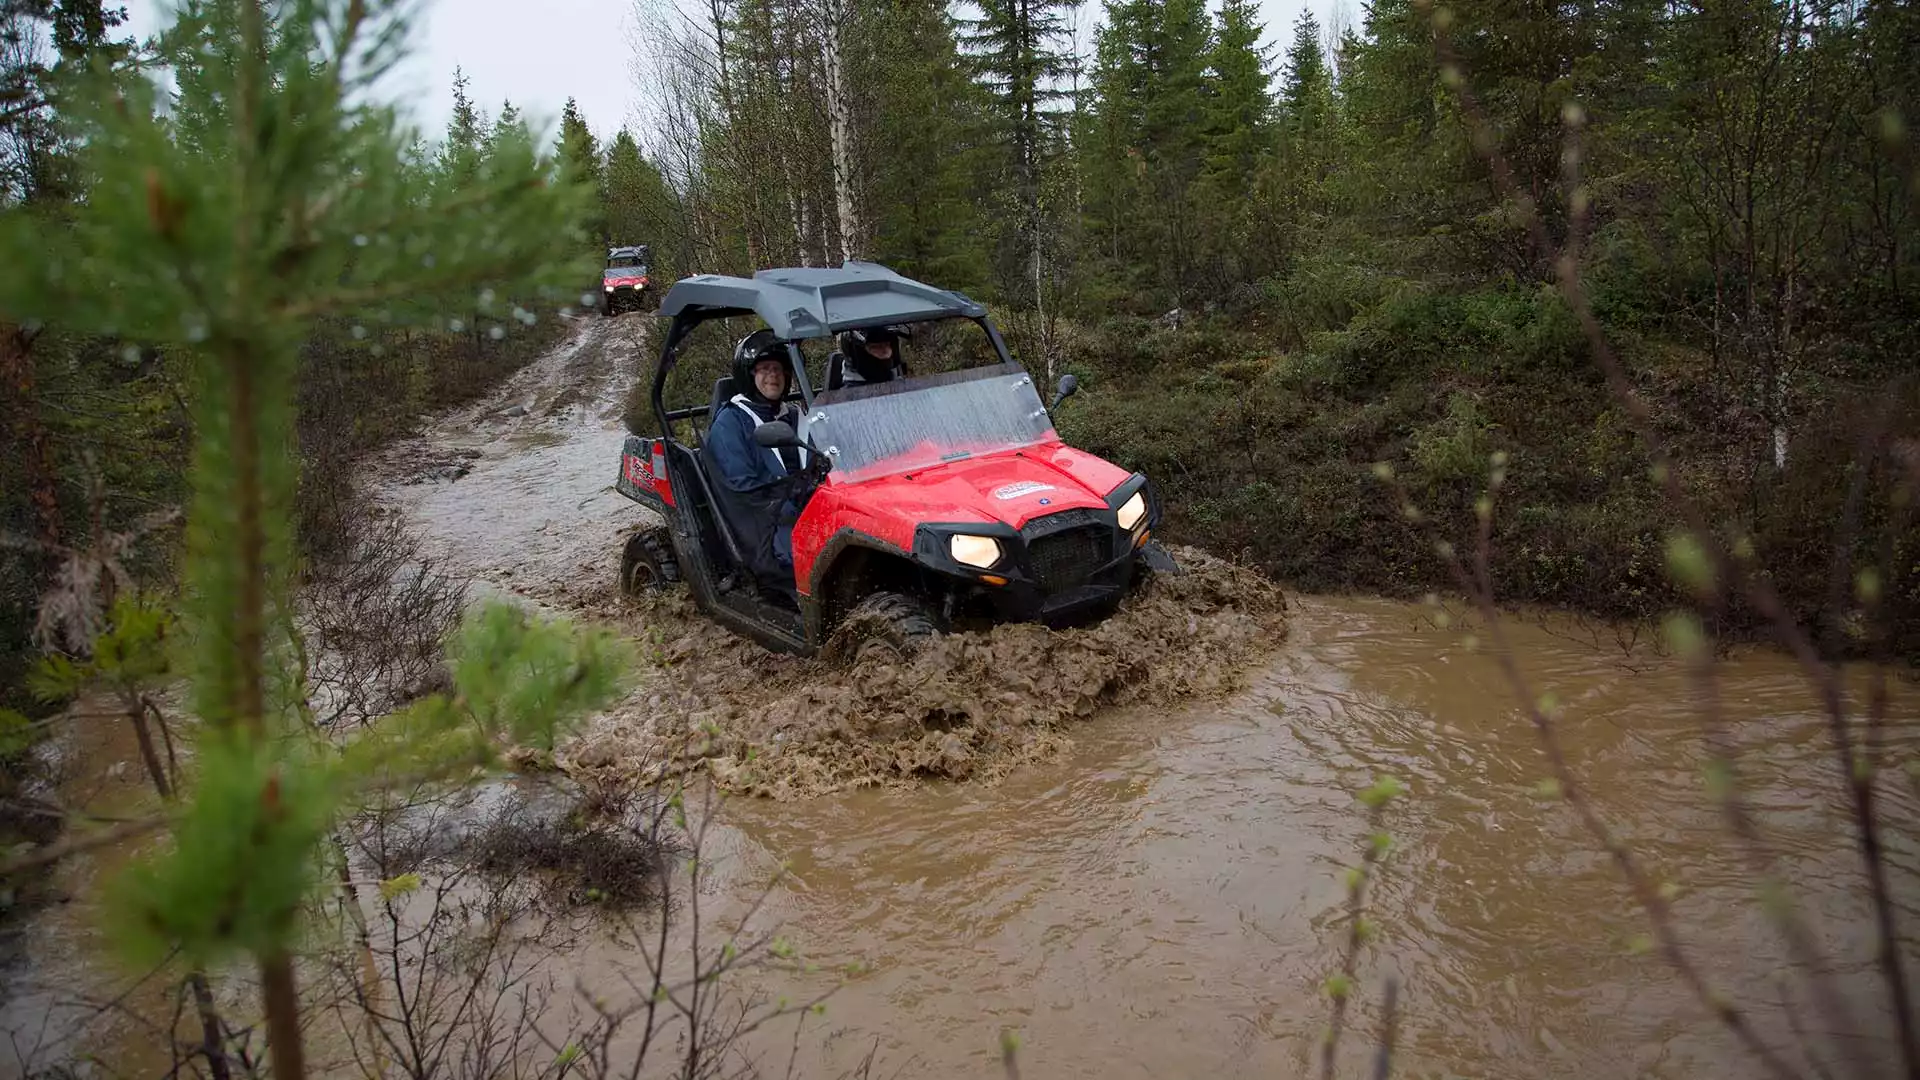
(648, 562)
(887, 627)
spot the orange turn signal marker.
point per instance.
(993, 579)
(1142, 538)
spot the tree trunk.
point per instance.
(803, 226)
(282, 1006)
(149, 753)
(212, 1038)
(1779, 388)
(212, 1041)
(744, 175)
(840, 126)
(369, 970)
(1040, 304)
(31, 442)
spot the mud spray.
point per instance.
(969, 706)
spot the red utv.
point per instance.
(944, 498)
(624, 283)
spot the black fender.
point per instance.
(813, 605)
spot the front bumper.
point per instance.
(1056, 566)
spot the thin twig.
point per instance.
(1343, 989)
(1389, 1028)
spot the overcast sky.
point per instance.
(537, 53)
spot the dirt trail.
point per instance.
(515, 493)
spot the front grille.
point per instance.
(1059, 521)
(1066, 559)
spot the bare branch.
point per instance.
(91, 841)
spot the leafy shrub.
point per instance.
(1454, 448)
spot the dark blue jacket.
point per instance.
(755, 488)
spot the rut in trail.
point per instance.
(516, 493)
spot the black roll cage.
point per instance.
(683, 324)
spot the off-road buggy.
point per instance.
(624, 284)
(942, 499)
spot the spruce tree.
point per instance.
(466, 136)
(1238, 141)
(1306, 98)
(509, 118)
(1307, 75)
(35, 157)
(922, 120)
(1237, 129)
(641, 209)
(579, 155)
(37, 170)
(295, 203)
(1150, 85)
(1016, 50)
(1410, 153)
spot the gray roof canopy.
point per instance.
(816, 301)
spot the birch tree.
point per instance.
(834, 18)
(1016, 50)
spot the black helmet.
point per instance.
(755, 347)
(868, 367)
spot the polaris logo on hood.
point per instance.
(1024, 487)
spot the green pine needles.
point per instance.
(268, 190)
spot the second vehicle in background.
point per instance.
(626, 285)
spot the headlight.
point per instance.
(609, 288)
(1133, 511)
(980, 551)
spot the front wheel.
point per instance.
(1151, 560)
(648, 562)
(886, 627)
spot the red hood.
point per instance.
(1013, 487)
(625, 279)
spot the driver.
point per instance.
(757, 482)
(866, 356)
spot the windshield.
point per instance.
(625, 266)
(920, 422)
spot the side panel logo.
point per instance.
(1024, 487)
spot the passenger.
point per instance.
(866, 356)
(758, 485)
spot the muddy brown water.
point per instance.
(1155, 889)
(1165, 899)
